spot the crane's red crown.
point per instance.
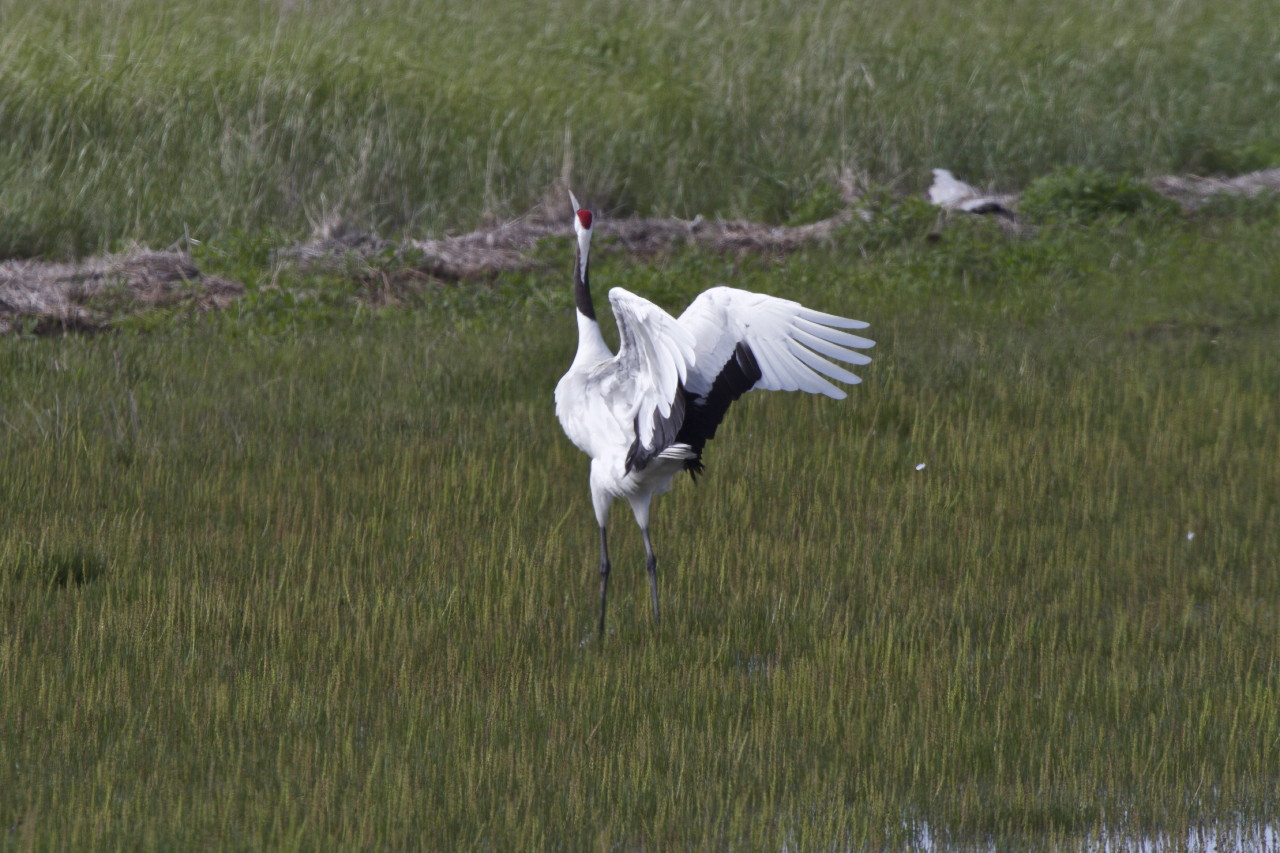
(584, 216)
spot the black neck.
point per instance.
(581, 287)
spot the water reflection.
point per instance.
(1240, 837)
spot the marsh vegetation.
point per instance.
(313, 572)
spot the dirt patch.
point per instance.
(48, 297)
(45, 297)
(507, 247)
(1191, 191)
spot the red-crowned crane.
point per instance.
(645, 414)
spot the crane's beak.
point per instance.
(581, 221)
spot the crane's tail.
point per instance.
(690, 456)
(678, 451)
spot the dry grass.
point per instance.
(144, 120)
(510, 246)
(44, 297)
(1192, 191)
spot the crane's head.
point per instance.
(581, 216)
(582, 227)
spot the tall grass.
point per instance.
(136, 119)
(330, 584)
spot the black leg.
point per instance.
(604, 576)
(651, 563)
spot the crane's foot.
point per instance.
(604, 576)
(652, 565)
(604, 593)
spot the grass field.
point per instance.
(313, 574)
(136, 119)
(331, 582)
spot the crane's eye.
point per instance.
(584, 216)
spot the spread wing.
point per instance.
(747, 340)
(652, 363)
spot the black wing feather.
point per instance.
(704, 414)
(665, 432)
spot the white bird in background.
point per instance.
(645, 414)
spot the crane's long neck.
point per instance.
(591, 345)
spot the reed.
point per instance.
(207, 119)
(327, 582)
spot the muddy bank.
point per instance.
(41, 297)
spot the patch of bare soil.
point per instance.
(43, 297)
(48, 297)
(394, 274)
(1191, 191)
(508, 247)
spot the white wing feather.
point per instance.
(788, 340)
(655, 355)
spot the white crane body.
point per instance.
(645, 414)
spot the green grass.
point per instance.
(314, 576)
(136, 119)
(310, 574)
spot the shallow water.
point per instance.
(1241, 837)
